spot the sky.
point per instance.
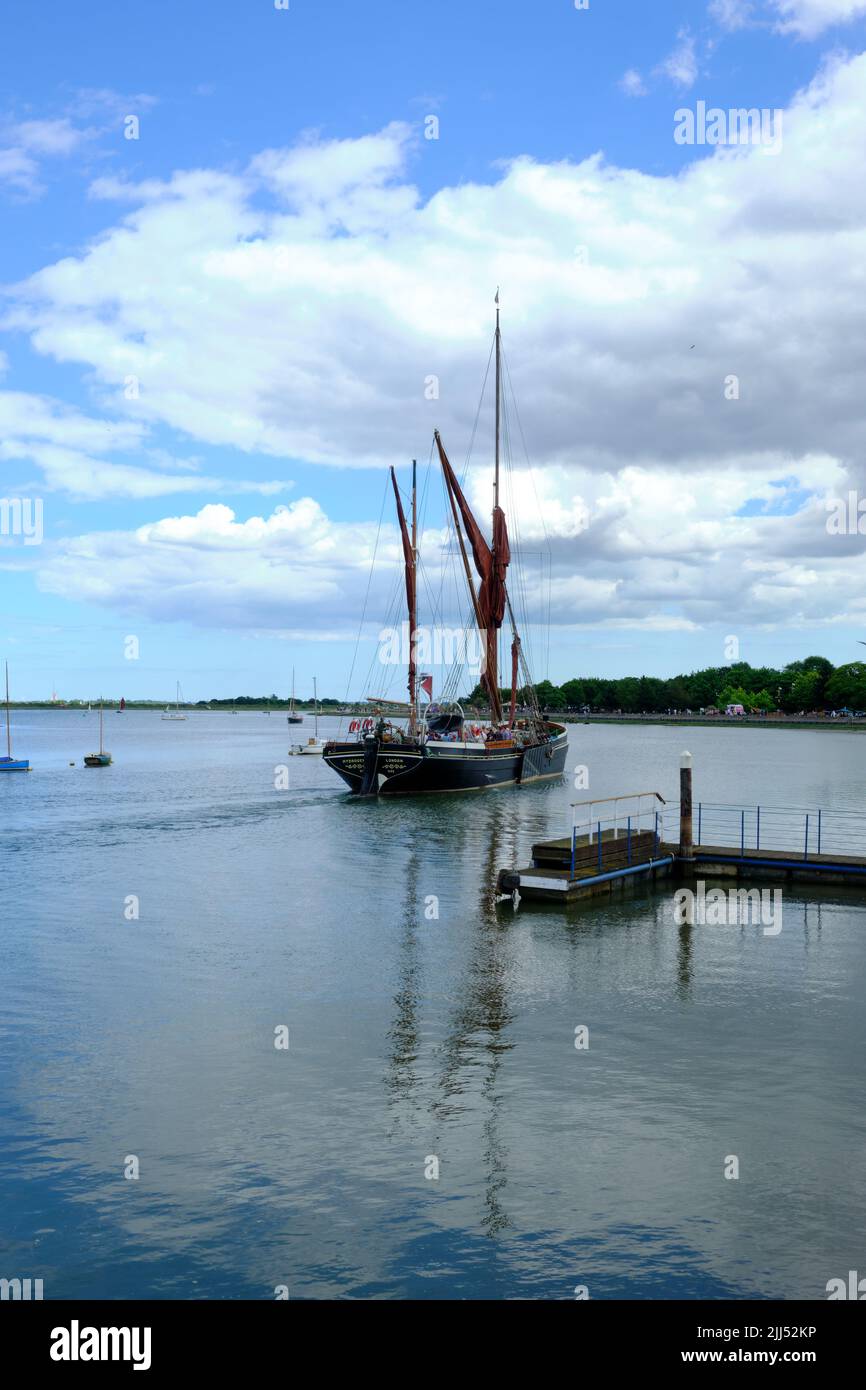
(249, 259)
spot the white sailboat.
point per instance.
(102, 758)
(315, 744)
(293, 717)
(174, 714)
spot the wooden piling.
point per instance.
(687, 848)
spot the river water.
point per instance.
(427, 1030)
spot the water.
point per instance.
(412, 1037)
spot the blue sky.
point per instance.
(306, 129)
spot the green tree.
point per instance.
(846, 688)
(805, 690)
(733, 695)
(763, 700)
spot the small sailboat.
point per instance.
(10, 764)
(314, 745)
(175, 713)
(121, 708)
(293, 717)
(100, 759)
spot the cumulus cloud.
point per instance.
(69, 448)
(807, 19)
(331, 314)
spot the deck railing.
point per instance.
(608, 821)
(796, 830)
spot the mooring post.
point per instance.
(687, 849)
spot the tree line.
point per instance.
(812, 684)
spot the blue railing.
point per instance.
(794, 830)
(624, 818)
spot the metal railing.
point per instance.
(623, 818)
(795, 830)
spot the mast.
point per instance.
(8, 726)
(498, 398)
(410, 561)
(316, 708)
(413, 619)
(101, 749)
(492, 647)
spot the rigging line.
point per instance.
(540, 509)
(478, 413)
(392, 611)
(367, 593)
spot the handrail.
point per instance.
(625, 796)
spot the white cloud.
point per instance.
(681, 64)
(732, 14)
(632, 83)
(23, 144)
(27, 145)
(300, 312)
(68, 448)
(809, 18)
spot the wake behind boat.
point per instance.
(443, 750)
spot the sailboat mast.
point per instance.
(316, 707)
(101, 747)
(492, 652)
(8, 726)
(498, 399)
(413, 616)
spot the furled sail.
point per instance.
(492, 566)
(411, 590)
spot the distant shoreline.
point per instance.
(752, 721)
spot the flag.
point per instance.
(425, 682)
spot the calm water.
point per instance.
(409, 1037)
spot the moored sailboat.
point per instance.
(314, 745)
(174, 714)
(8, 763)
(293, 717)
(100, 759)
(443, 750)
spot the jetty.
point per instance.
(617, 843)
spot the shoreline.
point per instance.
(716, 721)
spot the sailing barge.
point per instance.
(442, 749)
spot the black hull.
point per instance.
(387, 769)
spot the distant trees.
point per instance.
(811, 684)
